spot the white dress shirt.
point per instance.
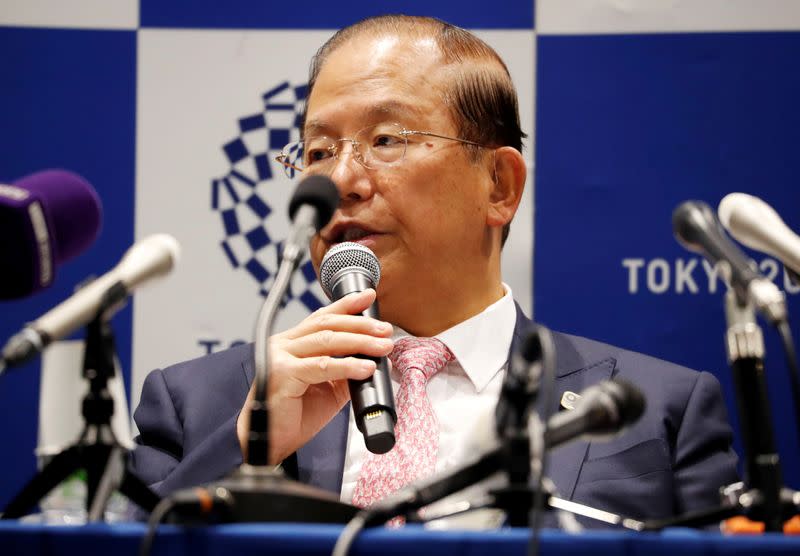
(461, 394)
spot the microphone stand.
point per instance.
(763, 498)
(745, 345)
(531, 367)
(257, 491)
(97, 450)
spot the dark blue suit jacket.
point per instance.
(673, 460)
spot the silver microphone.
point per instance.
(149, 258)
(756, 224)
(697, 228)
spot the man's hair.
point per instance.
(482, 99)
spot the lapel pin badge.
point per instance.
(569, 399)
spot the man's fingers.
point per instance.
(315, 370)
(350, 304)
(343, 323)
(330, 342)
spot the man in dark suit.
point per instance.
(416, 122)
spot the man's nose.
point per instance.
(350, 176)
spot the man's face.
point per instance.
(424, 218)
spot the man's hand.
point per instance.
(309, 368)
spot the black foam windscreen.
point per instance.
(46, 219)
(319, 192)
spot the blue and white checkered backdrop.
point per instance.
(173, 110)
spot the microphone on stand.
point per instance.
(46, 219)
(149, 258)
(351, 268)
(604, 410)
(697, 228)
(311, 207)
(97, 451)
(530, 371)
(756, 224)
(256, 492)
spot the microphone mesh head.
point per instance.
(347, 255)
(319, 192)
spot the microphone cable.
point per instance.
(199, 503)
(349, 533)
(156, 516)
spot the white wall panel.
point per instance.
(82, 14)
(661, 16)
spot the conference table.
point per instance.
(296, 539)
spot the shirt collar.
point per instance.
(480, 344)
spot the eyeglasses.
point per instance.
(373, 147)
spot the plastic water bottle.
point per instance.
(66, 504)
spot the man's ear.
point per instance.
(509, 182)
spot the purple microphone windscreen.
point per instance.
(46, 219)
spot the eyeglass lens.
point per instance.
(372, 146)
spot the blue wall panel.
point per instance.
(67, 100)
(627, 128)
(317, 14)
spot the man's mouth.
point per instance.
(354, 234)
(348, 232)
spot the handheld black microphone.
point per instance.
(149, 258)
(603, 411)
(350, 268)
(697, 228)
(756, 224)
(46, 219)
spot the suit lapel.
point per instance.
(321, 461)
(573, 373)
(564, 464)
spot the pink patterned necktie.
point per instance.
(417, 430)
